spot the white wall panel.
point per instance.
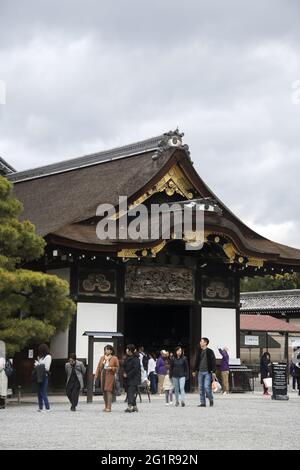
(93, 317)
(219, 326)
(59, 345)
(60, 342)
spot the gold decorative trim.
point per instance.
(128, 253)
(232, 253)
(132, 252)
(257, 262)
(156, 249)
(191, 236)
(174, 181)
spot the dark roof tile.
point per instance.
(89, 160)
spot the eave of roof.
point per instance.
(62, 194)
(271, 293)
(271, 301)
(5, 167)
(266, 323)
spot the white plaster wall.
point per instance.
(219, 326)
(60, 342)
(59, 345)
(93, 317)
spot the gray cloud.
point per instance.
(85, 76)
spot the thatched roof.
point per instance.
(60, 199)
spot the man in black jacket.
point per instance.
(205, 365)
(132, 373)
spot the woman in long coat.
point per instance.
(75, 371)
(265, 363)
(3, 376)
(106, 371)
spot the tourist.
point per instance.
(161, 369)
(132, 374)
(168, 388)
(265, 364)
(179, 373)
(75, 371)
(152, 376)
(106, 370)
(42, 371)
(205, 365)
(224, 368)
(293, 375)
(144, 363)
(296, 361)
(3, 376)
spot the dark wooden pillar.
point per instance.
(90, 376)
(195, 336)
(73, 294)
(121, 311)
(238, 317)
(120, 329)
(286, 346)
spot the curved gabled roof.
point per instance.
(60, 199)
(67, 192)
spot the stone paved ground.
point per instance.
(238, 421)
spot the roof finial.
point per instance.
(171, 139)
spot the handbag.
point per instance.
(117, 385)
(9, 371)
(216, 386)
(267, 382)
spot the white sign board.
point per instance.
(30, 353)
(251, 340)
(295, 342)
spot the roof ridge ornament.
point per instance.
(171, 139)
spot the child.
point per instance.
(168, 389)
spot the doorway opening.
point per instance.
(157, 326)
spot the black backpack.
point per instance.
(145, 361)
(8, 368)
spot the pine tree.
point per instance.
(33, 305)
(269, 283)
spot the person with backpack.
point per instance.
(42, 371)
(3, 375)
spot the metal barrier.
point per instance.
(241, 379)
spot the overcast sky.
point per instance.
(83, 76)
